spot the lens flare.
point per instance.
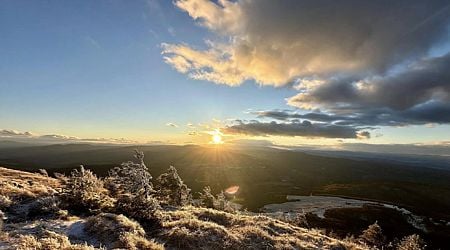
(232, 190)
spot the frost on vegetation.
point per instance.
(131, 184)
(373, 236)
(109, 229)
(219, 202)
(42, 206)
(83, 190)
(411, 242)
(133, 177)
(5, 202)
(46, 241)
(43, 172)
(172, 190)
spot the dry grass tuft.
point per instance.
(136, 242)
(49, 240)
(114, 230)
(17, 185)
(203, 228)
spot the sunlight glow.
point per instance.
(217, 139)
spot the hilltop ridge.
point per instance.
(30, 223)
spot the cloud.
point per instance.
(422, 114)
(295, 128)
(14, 133)
(357, 65)
(29, 137)
(278, 43)
(420, 82)
(170, 124)
(58, 137)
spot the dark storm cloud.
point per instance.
(277, 42)
(287, 115)
(419, 83)
(295, 128)
(430, 112)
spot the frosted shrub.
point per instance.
(223, 204)
(43, 172)
(133, 177)
(207, 199)
(411, 242)
(172, 190)
(220, 202)
(133, 188)
(5, 202)
(44, 206)
(83, 190)
(373, 235)
(139, 207)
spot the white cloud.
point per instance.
(14, 135)
(171, 124)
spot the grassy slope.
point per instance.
(184, 228)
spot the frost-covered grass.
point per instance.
(204, 228)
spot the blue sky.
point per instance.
(95, 69)
(84, 67)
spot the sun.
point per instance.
(217, 139)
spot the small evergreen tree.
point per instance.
(219, 202)
(172, 190)
(133, 177)
(134, 190)
(373, 235)
(222, 203)
(207, 199)
(411, 242)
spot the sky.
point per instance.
(289, 72)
